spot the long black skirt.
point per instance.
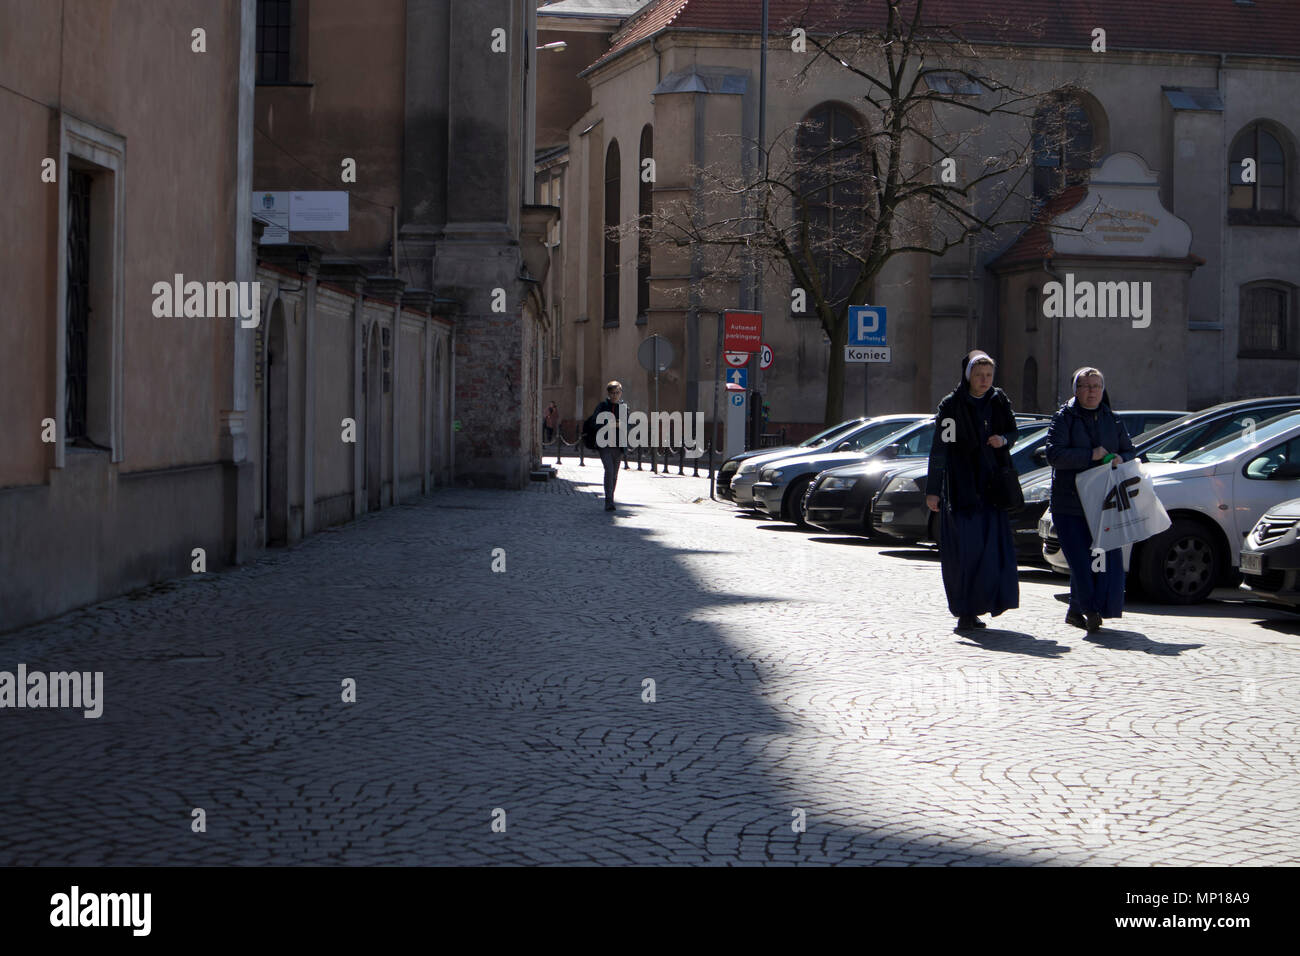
(978, 557)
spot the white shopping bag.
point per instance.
(1120, 503)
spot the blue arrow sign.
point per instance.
(738, 376)
(867, 325)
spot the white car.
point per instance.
(1214, 497)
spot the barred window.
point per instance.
(77, 353)
(833, 173)
(1064, 146)
(274, 26)
(1266, 310)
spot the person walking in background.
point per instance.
(973, 433)
(1086, 433)
(611, 453)
(549, 423)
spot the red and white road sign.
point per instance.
(765, 356)
(742, 331)
(736, 359)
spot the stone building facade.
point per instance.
(125, 437)
(377, 361)
(678, 80)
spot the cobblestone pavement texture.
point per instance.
(793, 672)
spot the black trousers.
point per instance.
(611, 458)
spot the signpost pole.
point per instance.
(654, 451)
(717, 375)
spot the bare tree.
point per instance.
(833, 201)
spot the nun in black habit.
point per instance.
(973, 433)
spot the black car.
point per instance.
(899, 510)
(840, 499)
(1270, 555)
(722, 483)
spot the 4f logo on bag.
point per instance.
(1120, 496)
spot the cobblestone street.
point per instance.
(793, 672)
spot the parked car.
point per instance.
(1270, 556)
(1165, 443)
(782, 483)
(722, 482)
(1140, 421)
(840, 500)
(855, 440)
(1199, 428)
(1214, 495)
(899, 510)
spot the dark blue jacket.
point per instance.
(1075, 432)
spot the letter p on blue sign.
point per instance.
(867, 325)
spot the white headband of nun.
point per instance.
(973, 359)
(1085, 373)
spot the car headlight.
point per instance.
(838, 484)
(902, 484)
(746, 469)
(771, 474)
(1041, 491)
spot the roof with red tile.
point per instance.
(1261, 28)
(1035, 243)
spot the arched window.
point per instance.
(1029, 386)
(1268, 192)
(645, 210)
(1065, 145)
(1267, 326)
(612, 185)
(832, 187)
(1031, 309)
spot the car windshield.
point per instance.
(1024, 448)
(1241, 441)
(1178, 446)
(827, 434)
(908, 438)
(876, 433)
(1159, 431)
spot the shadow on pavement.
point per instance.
(1013, 642)
(477, 693)
(1118, 640)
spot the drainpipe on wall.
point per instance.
(1056, 374)
(1225, 234)
(451, 429)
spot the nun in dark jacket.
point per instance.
(1084, 432)
(973, 434)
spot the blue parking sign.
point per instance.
(738, 376)
(867, 325)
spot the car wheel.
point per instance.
(1180, 565)
(793, 508)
